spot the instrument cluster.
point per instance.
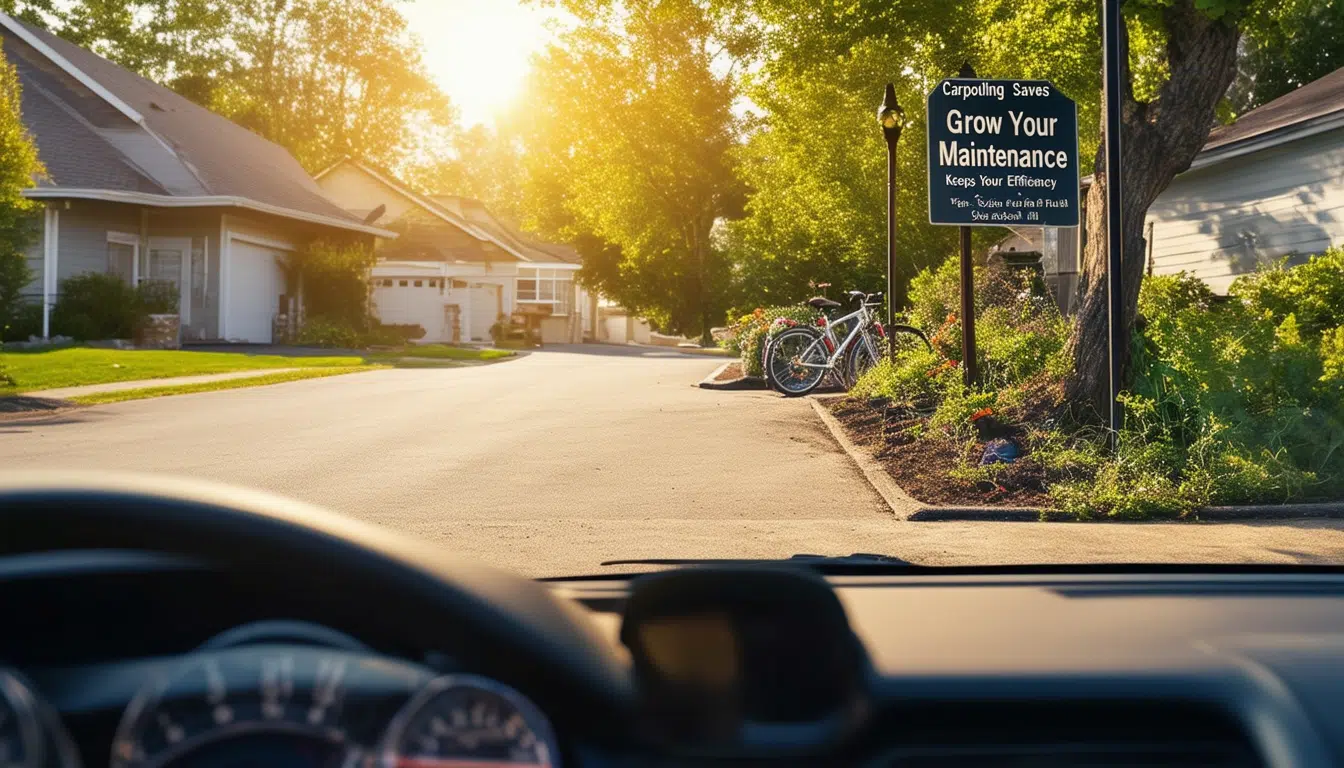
(281, 705)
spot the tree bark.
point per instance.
(1160, 139)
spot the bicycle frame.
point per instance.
(865, 321)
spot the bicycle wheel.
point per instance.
(795, 355)
(863, 354)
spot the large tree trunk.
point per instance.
(1160, 140)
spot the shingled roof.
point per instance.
(103, 131)
(1317, 99)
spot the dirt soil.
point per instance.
(732, 372)
(920, 466)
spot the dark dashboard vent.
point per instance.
(1072, 755)
(1059, 734)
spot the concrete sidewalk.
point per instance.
(65, 393)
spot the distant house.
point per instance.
(456, 269)
(145, 184)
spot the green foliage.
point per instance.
(25, 324)
(328, 332)
(95, 306)
(1313, 291)
(752, 330)
(335, 278)
(1288, 44)
(19, 165)
(630, 128)
(1234, 401)
(157, 297)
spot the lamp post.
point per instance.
(892, 118)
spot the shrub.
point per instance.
(95, 306)
(25, 323)
(336, 282)
(1232, 401)
(1312, 291)
(750, 331)
(392, 335)
(320, 331)
(157, 297)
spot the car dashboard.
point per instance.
(138, 660)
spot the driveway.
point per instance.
(550, 464)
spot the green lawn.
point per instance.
(77, 366)
(444, 352)
(281, 377)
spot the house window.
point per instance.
(387, 283)
(419, 283)
(540, 285)
(401, 283)
(122, 252)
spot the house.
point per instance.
(1270, 184)
(144, 184)
(1267, 186)
(456, 269)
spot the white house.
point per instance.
(455, 268)
(1269, 185)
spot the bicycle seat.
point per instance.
(821, 302)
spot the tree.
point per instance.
(1162, 135)
(323, 78)
(32, 11)
(486, 163)
(1287, 44)
(634, 125)
(19, 166)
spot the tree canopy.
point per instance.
(19, 165)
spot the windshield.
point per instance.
(559, 283)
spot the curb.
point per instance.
(746, 382)
(898, 501)
(1329, 510)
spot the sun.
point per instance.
(478, 50)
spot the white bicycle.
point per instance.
(798, 358)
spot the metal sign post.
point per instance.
(970, 372)
(1115, 236)
(1001, 153)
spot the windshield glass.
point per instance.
(557, 283)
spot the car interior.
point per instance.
(172, 623)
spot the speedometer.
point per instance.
(465, 721)
(242, 708)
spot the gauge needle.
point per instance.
(435, 762)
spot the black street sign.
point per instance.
(1002, 153)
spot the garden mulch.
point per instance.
(920, 467)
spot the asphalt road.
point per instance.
(553, 463)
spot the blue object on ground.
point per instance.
(1000, 451)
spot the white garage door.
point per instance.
(255, 285)
(484, 310)
(411, 301)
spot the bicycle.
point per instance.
(798, 358)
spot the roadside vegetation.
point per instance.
(1233, 401)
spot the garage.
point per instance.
(256, 284)
(485, 309)
(412, 301)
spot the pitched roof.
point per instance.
(470, 216)
(100, 127)
(476, 213)
(1318, 98)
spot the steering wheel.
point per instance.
(517, 629)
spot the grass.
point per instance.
(78, 366)
(33, 371)
(444, 352)
(212, 386)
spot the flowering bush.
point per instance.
(750, 331)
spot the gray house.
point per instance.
(145, 184)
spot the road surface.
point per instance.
(553, 463)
